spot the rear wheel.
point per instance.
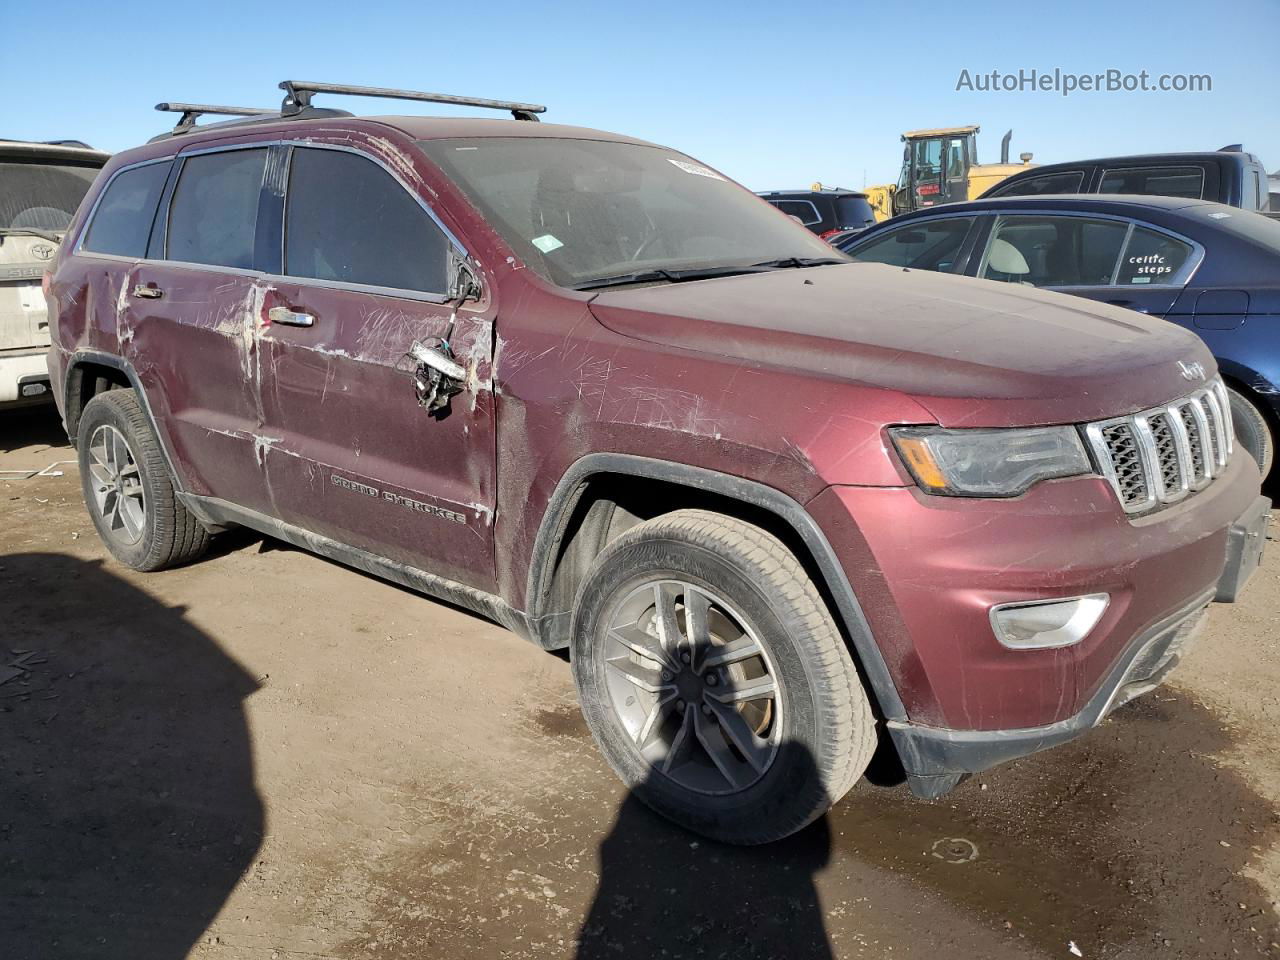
(1252, 430)
(127, 488)
(714, 680)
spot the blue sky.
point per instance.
(776, 96)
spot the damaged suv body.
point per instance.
(778, 505)
(41, 185)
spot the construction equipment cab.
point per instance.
(941, 166)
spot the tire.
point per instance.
(809, 741)
(145, 526)
(1252, 431)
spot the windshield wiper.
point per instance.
(671, 276)
(644, 276)
(799, 262)
(29, 232)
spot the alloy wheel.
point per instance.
(117, 485)
(691, 683)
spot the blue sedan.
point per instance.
(1210, 268)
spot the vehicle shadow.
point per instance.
(31, 426)
(128, 810)
(665, 892)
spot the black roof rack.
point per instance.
(298, 98)
(191, 111)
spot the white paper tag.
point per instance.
(546, 243)
(697, 169)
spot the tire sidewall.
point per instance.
(1252, 430)
(106, 411)
(791, 782)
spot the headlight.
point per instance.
(989, 463)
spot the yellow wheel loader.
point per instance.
(941, 166)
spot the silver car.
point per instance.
(41, 184)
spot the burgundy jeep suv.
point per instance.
(778, 505)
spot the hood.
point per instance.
(972, 352)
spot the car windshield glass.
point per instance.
(582, 211)
(41, 196)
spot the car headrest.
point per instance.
(1006, 258)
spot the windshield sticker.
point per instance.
(697, 169)
(1218, 215)
(546, 243)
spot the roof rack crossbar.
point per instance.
(298, 97)
(191, 111)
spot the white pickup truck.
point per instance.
(41, 184)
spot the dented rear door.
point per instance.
(188, 323)
(351, 453)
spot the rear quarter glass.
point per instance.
(122, 220)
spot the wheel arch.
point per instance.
(89, 372)
(603, 494)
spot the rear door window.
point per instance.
(1044, 250)
(122, 221)
(1068, 181)
(927, 245)
(347, 220)
(1152, 258)
(214, 212)
(802, 210)
(1184, 181)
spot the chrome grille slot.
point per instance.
(1168, 454)
(1130, 477)
(1196, 427)
(1159, 456)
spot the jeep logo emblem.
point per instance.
(1191, 371)
(42, 251)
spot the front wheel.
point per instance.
(714, 680)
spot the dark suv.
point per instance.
(777, 504)
(1228, 176)
(825, 212)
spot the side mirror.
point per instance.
(464, 285)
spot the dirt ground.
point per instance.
(266, 755)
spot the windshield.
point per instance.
(37, 195)
(583, 211)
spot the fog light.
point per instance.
(1046, 624)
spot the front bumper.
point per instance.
(928, 569)
(935, 759)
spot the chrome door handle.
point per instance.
(147, 293)
(290, 317)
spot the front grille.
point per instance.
(1161, 455)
